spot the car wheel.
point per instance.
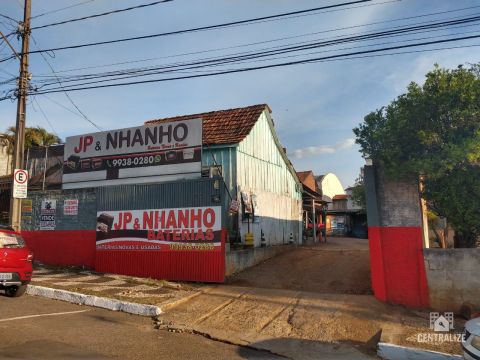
(15, 291)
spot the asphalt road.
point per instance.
(38, 328)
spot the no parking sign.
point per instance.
(20, 182)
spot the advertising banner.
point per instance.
(48, 214)
(70, 207)
(193, 228)
(134, 155)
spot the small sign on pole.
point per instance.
(20, 182)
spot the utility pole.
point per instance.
(24, 29)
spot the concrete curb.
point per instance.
(91, 300)
(396, 352)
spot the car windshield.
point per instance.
(11, 241)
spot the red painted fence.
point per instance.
(65, 248)
(78, 248)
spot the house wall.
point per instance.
(5, 161)
(262, 170)
(331, 186)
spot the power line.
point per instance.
(209, 27)
(8, 17)
(262, 42)
(305, 61)
(44, 115)
(61, 9)
(101, 14)
(85, 117)
(232, 58)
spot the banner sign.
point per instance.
(47, 214)
(133, 155)
(70, 207)
(195, 228)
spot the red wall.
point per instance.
(397, 265)
(191, 265)
(77, 248)
(72, 247)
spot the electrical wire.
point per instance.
(61, 9)
(268, 52)
(85, 117)
(209, 27)
(44, 115)
(101, 14)
(241, 70)
(260, 42)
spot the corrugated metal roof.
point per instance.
(223, 126)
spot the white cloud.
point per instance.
(345, 144)
(322, 149)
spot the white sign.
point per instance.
(70, 207)
(134, 155)
(20, 183)
(48, 214)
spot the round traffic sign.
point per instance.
(21, 176)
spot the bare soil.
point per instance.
(341, 266)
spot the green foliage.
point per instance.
(33, 137)
(434, 130)
(358, 193)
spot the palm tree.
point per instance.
(34, 136)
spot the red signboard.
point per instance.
(173, 244)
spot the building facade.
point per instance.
(242, 147)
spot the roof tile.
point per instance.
(223, 126)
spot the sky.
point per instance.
(314, 106)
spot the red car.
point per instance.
(15, 262)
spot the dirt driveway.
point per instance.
(340, 266)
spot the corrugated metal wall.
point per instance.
(187, 193)
(190, 265)
(260, 164)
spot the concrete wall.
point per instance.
(238, 260)
(395, 239)
(453, 277)
(400, 202)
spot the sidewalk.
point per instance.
(126, 288)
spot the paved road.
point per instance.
(37, 328)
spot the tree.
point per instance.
(433, 131)
(33, 137)
(358, 193)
